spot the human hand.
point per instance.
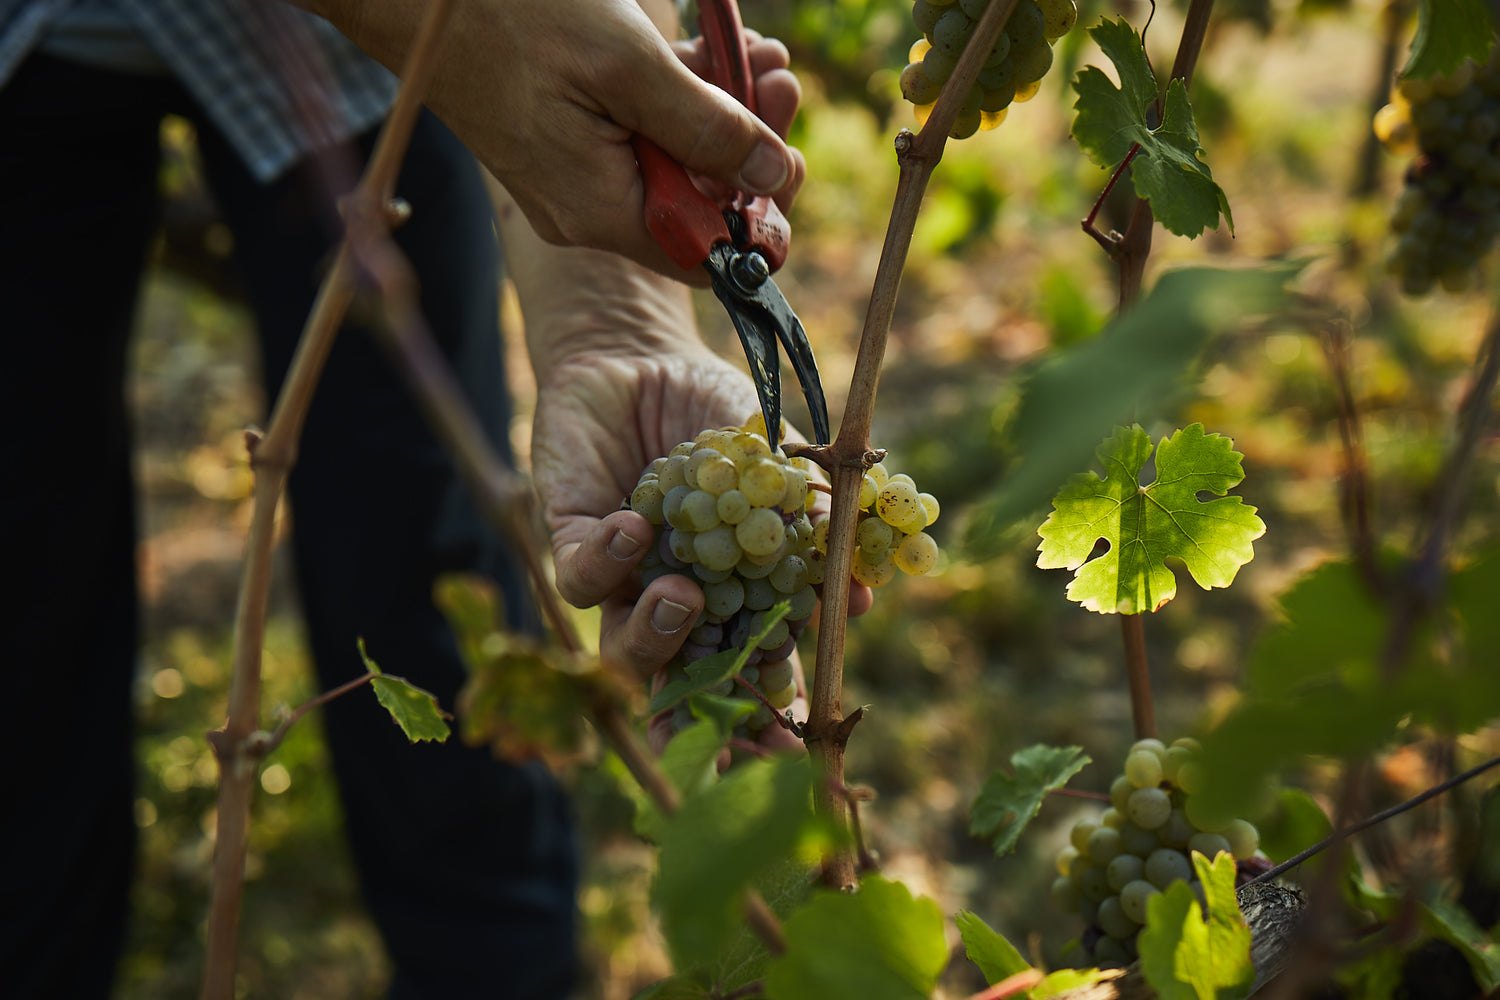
(549, 95)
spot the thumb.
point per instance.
(709, 132)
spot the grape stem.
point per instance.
(795, 728)
(1109, 241)
(1340, 835)
(850, 454)
(271, 459)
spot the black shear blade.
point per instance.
(762, 317)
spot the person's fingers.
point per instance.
(642, 637)
(705, 130)
(591, 570)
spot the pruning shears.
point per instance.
(740, 240)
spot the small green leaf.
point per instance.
(675, 988)
(1066, 980)
(1111, 120)
(691, 757)
(987, 948)
(1147, 525)
(1450, 922)
(1007, 803)
(1448, 32)
(713, 670)
(719, 841)
(416, 711)
(788, 884)
(877, 943)
(1185, 956)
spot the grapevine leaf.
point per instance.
(1450, 922)
(714, 670)
(1147, 525)
(787, 885)
(690, 760)
(879, 943)
(1187, 956)
(1112, 120)
(987, 948)
(1007, 803)
(1296, 823)
(1065, 981)
(1130, 369)
(416, 711)
(718, 842)
(1448, 32)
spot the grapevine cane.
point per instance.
(850, 454)
(272, 458)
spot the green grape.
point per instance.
(1165, 866)
(1027, 25)
(872, 574)
(868, 488)
(1110, 953)
(705, 573)
(715, 473)
(1176, 831)
(1119, 792)
(1065, 894)
(1149, 808)
(789, 574)
(874, 536)
(1032, 61)
(1093, 884)
(732, 506)
(724, 598)
(974, 8)
(925, 14)
(699, 511)
(1124, 868)
(930, 506)
(880, 475)
(717, 548)
(1143, 768)
(897, 502)
(1112, 818)
(1059, 17)
(646, 500)
(916, 87)
(1079, 835)
(1104, 845)
(761, 533)
(952, 32)
(1138, 840)
(1133, 899)
(804, 602)
(997, 99)
(917, 554)
(938, 65)
(759, 594)
(775, 676)
(782, 697)
(1113, 921)
(1065, 859)
(1243, 838)
(762, 483)
(778, 634)
(671, 505)
(1209, 844)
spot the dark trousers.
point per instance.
(468, 865)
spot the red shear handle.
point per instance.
(685, 221)
(728, 57)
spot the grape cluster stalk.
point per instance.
(1143, 843)
(1012, 71)
(1448, 213)
(736, 515)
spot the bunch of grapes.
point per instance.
(733, 513)
(1448, 213)
(1141, 845)
(1012, 71)
(891, 536)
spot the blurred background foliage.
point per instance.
(959, 669)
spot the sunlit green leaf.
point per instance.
(1111, 120)
(1185, 956)
(1066, 980)
(878, 943)
(675, 988)
(987, 948)
(1008, 802)
(1147, 525)
(416, 711)
(1449, 32)
(785, 886)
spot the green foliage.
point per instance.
(1007, 803)
(1112, 120)
(878, 943)
(1449, 32)
(1129, 370)
(416, 711)
(719, 841)
(1442, 919)
(1147, 525)
(1295, 823)
(716, 669)
(1327, 661)
(1186, 955)
(1066, 980)
(987, 948)
(691, 757)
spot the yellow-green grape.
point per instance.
(917, 554)
(897, 502)
(761, 533)
(869, 489)
(1243, 838)
(872, 574)
(699, 511)
(646, 500)
(718, 548)
(1143, 768)
(732, 506)
(724, 598)
(930, 507)
(714, 472)
(1059, 17)
(762, 483)
(880, 474)
(820, 534)
(874, 537)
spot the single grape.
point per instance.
(761, 533)
(952, 31)
(699, 511)
(759, 594)
(1079, 835)
(789, 575)
(1113, 921)
(1208, 844)
(1165, 866)
(725, 597)
(646, 500)
(938, 65)
(1031, 62)
(874, 536)
(1065, 895)
(1243, 839)
(1124, 868)
(1065, 859)
(924, 15)
(781, 697)
(1137, 840)
(1135, 896)
(1027, 25)
(916, 554)
(717, 548)
(732, 506)
(1143, 768)
(1104, 845)
(896, 503)
(1092, 883)
(1149, 808)
(873, 574)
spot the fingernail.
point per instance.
(623, 546)
(764, 170)
(669, 616)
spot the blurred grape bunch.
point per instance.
(1012, 71)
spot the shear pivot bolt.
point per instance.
(749, 270)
